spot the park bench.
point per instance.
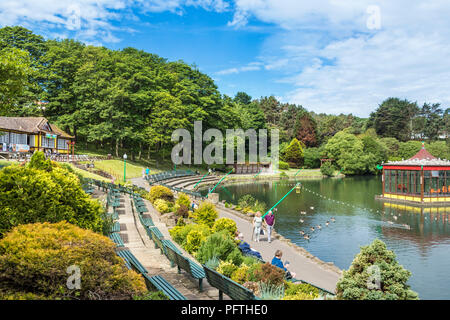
(117, 239)
(115, 227)
(162, 244)
(187, 265)
(161, 284)
(131, 259)
(146, 222)
(225, 285)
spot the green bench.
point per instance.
(117, 239)
(131, 259)
(161, 284)
(225, 285)
(146, 222)
(115, 227)
(187, 265)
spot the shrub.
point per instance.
(327, 169)
(182, 211)
(179, 233)
(155, 295)
(356, 284)
(259, 206)
(218, 245)
(29, 194)
(240, 275)
(301, 296)
(268, 291)
(267, 273)
(226, 268)
(160, 192)
(283, 165)
(194, 240)
(283, 175)
(295, 288)
(34, 261)
(250, 261)
(183, 200)
(161, 205)
(225, 224)
(206, 214)
(213, 263)
(246, 201)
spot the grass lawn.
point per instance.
(89, 175)
(115, 168)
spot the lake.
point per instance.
(424, 249)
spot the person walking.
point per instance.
(270, 222)
(147, 172)
(257, 223)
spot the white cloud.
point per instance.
(326, 51)
(252, 66)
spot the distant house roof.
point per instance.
(31, 125)
(421, 158)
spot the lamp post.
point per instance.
(124, 167)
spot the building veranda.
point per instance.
(28, 134)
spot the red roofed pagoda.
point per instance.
(422, 179)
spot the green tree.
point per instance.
(294, 153)
(375, 274)
(393, 118)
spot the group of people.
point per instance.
(259, 222)
(145, 172)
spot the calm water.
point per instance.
(424, 249)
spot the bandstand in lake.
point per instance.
(421, 180)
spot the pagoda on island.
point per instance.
(422, 179)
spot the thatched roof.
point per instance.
(31, 125)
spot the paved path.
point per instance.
(305, 268)
(137, 241)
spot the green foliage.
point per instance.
(267, 273)
(155, 295)
(408, 149)
(268, 291)
(240, 275)
(213, 263)
(206, 214)
(250, 261)
(218, 245)
(226, 268)
(295, 288)
(226, 224)
(34, 259)
(179, 233)
(30, 195)
(312, 158)
(283, 165)
(439, 149)
(294, 153)
(161, 205)
(183, 200)
(193, 241)
(327, 169)
(39, 162)
(359, 281)
(300, 296)
(160, 192)
(246, 201)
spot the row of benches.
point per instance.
(168, 175)
(224, 284)
(193, 194)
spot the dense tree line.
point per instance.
(133, 100)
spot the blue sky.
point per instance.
(329, 56)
